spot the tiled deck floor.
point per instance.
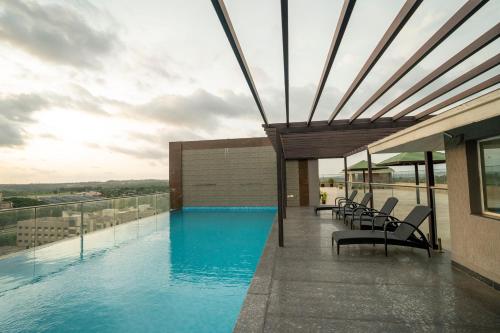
(306, 287)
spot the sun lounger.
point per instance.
(403, 235)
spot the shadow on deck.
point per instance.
(306, 287)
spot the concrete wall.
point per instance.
(475, 239)
(313, 174)
(292, 183)
(236, 172)
(229, 176)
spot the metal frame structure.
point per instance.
(396, 26)
(315, 139)
(284, 30)
(225, 21)
(344, 17)
(459, 18)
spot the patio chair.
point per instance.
(338, 201)
(348, 208)
(372, 219)
(403, 235)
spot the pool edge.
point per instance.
(253, 311)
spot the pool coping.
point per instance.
(253, 311)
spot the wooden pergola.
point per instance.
(340, 138)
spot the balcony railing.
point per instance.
(32, 227)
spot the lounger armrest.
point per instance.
(352, 205)
(421, 234)
(339, 198)
(368, 212)
(359, 207)
(344, 201)
(388, 219)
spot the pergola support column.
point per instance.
(279, 178)
(370, 176)
(429, 178)
(345, 177)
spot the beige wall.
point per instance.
(243, 176)
(475, 240)
(292, 185)
(313, 175)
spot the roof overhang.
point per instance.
(339, 139)
(429, 135)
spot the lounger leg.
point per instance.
(428, 252)
(338, 248)
(385, 249)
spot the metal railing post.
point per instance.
(81, 230)
(429, 173)
(370, 176)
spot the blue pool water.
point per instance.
(181, 272)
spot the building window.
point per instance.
(489, 159)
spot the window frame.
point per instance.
(480, 158)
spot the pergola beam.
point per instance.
(284, 31)
(344, 17)
(460, 17)
(342, 125)
(471, 74)
(464, 94)
(471, 49)
(397, 24)
(225, 21)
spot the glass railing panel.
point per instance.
(17, 239)
(408, 196)
(147, 215)
(146, 206)
(60, 226)
(17, 230)
(162, 203)
(125, 212)
(380, 195)
(98, 223)
(442, 217)
(39, 241)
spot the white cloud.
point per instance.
(55, 33)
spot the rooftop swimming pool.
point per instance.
(185, 271)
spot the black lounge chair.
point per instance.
(403, 235)
(349, 208)
(338, 201)
(372, 219)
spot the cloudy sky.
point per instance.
(95, 90)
